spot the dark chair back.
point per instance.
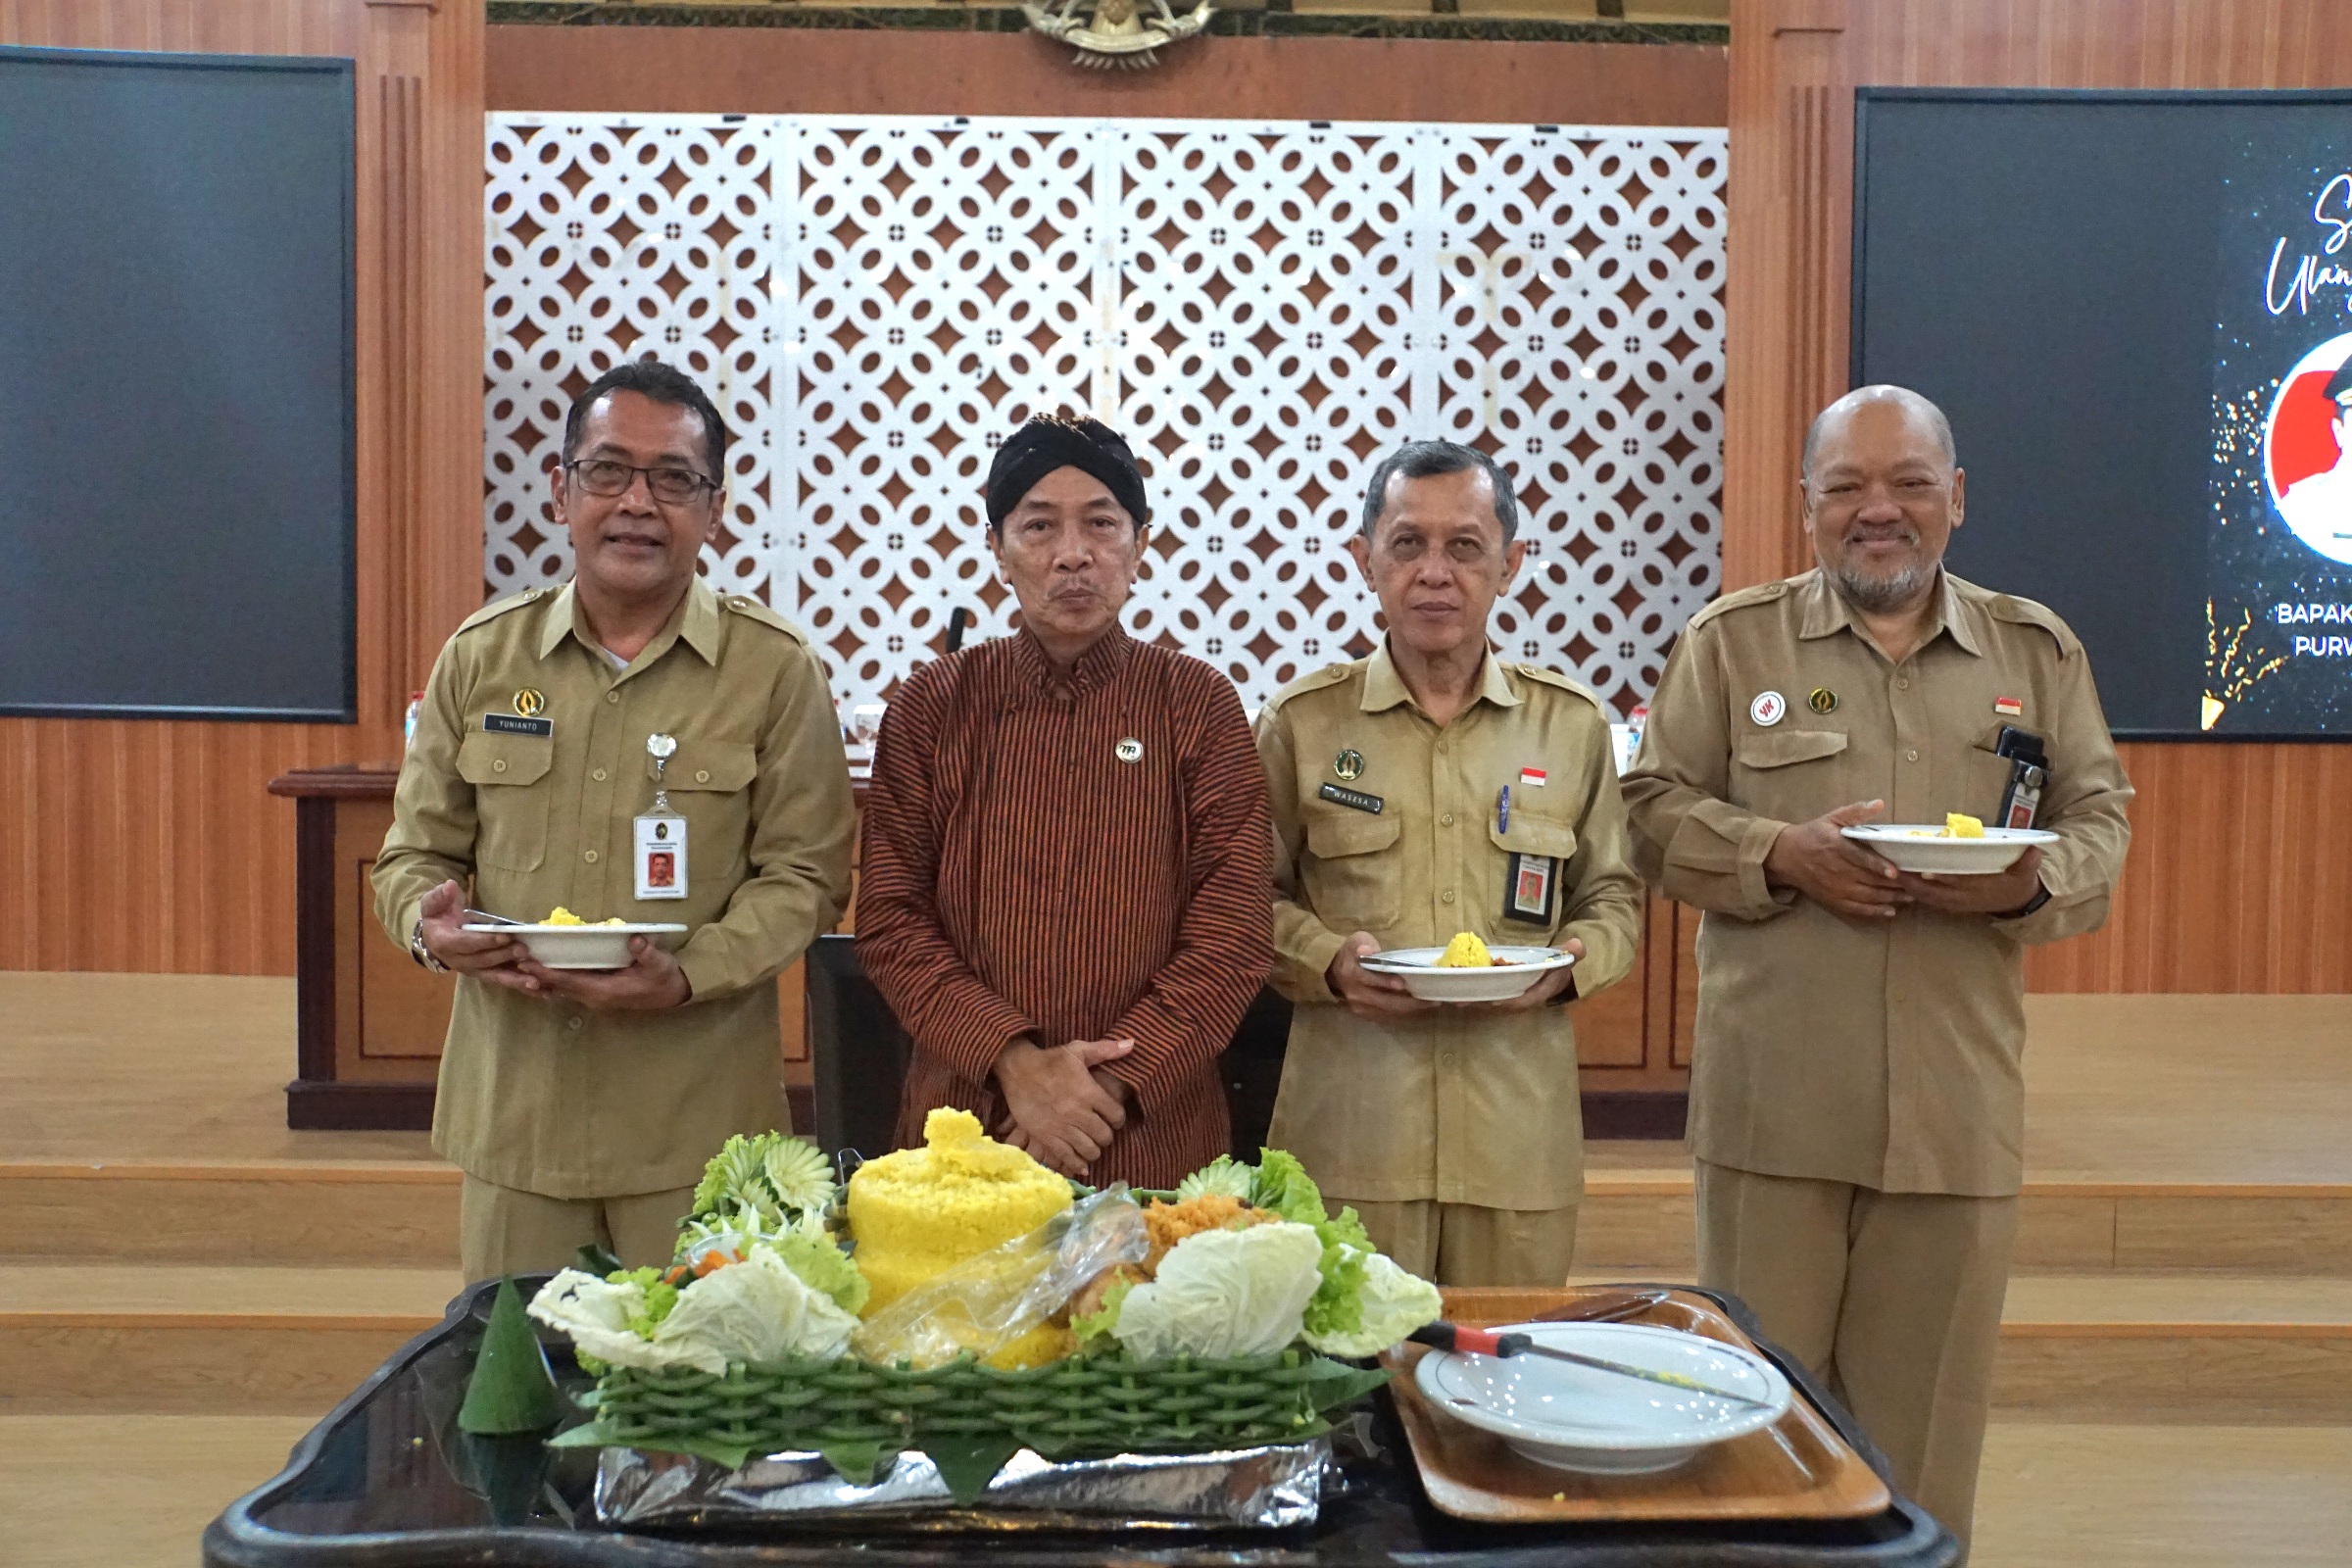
(858, 1055)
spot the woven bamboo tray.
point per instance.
(1070, 1409)
(1798, 1468)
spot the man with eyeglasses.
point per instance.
(631, 745)
(1429, 789)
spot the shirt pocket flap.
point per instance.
(486, 759)
(1778, 749)
(1328, 838)
(1534, 835)
(711, 766)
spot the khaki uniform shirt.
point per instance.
(1457, 1105)
(561, 1099)
(1885, 1053)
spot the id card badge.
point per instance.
(1530, 893)
(661, 834)
(660, 853)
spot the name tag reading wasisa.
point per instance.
(516, 725)
(1355, 800)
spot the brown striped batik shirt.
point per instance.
(1021, 877)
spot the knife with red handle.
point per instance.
(1486, 1341)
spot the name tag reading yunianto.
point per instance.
(516, 725)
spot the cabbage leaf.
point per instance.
(1221, 1295)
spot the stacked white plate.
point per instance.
(1574, 1417)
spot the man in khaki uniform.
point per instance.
(1856, 1102)
(1455, 1132)
(582, 1106)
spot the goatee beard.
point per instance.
(1875, 596)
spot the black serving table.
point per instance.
(387, 1480)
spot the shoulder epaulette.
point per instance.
(1328, 675)
(491, 611)
(1763, 593)
(751, 608)
(2025, 612)
(1552, 677)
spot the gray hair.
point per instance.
(1426, 460)
(1910, 402)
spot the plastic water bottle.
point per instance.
(408, 736)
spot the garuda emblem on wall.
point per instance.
(1116, 32)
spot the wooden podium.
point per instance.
(370, 1021)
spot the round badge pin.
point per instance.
(1822, 701)
(530, 702)
(1767, 709)
(1349, 765)
(1129, 750)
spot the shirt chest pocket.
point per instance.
(710, 784)
(1791, 775)
(508, 775)
(1353, 875)
(1535, 838)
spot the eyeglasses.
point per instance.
(672, 486)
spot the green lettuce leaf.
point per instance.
(1391, 1303)
(1095, 1325)
(660, 1298)
(822, 1266)
(1338, 1306)
(1283, 1187)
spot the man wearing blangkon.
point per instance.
(631, 745)
(1856, 1102)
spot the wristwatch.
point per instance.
(422, 953)
(2041, 896)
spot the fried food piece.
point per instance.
(1170, 1223)
(1089, 1300)
(1465, 951)
(560, 916)
(1961, 825)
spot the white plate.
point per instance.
(1922, 847)
(1573, 1418)
(1418, 968)
(578, 946)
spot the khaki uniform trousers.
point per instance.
(1894, 1300)
(1467, 1244)
(501, 1230)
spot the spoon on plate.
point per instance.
(1486, 1341)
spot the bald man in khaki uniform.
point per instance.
(1857, 1100)
(1455, 1132)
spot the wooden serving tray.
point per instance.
(1799, 1468)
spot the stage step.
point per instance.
(387, 1213)
(1641, 1220)
(87, 1339)
(2176, 1346)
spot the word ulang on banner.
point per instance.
(1262, 307)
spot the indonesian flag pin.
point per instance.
(2009, 707)
(1531, 778)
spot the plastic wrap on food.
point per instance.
(987, 1305)
(1265, 1487)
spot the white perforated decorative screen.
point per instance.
(1263, 309)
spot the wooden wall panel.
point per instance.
(152, 845)
(2239, 853)
(804, 70)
